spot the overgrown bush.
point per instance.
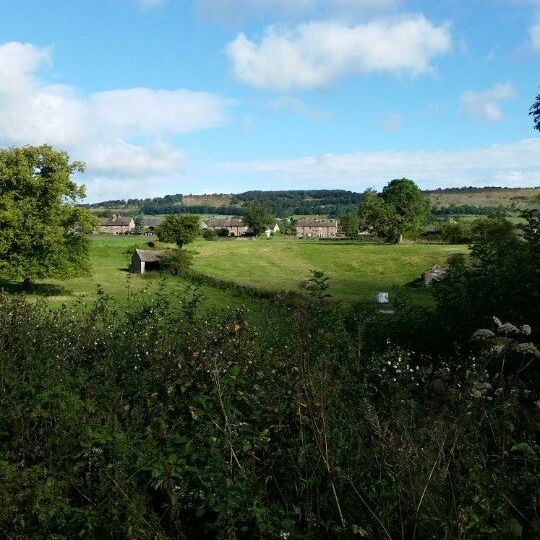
(209, 234)
(457, 232)
(176, 262)
(158, 421)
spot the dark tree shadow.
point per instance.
(39, 289)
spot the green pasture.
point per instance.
(356, 270)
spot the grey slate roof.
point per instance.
(317, 223)
(119, 221)
(148, 255)
(224, 222)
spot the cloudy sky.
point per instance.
(195, 96)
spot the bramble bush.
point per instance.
(160, 421)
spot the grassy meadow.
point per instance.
(356, 270)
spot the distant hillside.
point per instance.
(522, 198)
(467, 200)
(282, 203)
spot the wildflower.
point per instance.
(482, 334)
(508, 329)
(526, 330)
(527, 348)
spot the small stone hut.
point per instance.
(146, 259)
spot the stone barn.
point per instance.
(145, 259)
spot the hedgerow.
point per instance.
(160, 421)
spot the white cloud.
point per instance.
(237, 10)
(143, 110)
(99, 128)
(295, 105)
(486, 105)
(512, 165)
(316, 54)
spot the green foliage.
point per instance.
(42, 232)
(257, 217)
(501, 278)
(534, 111)
(179, 229)
(348, 224)
(159, 422)
(209, 234)
(176, 262)
(457, 232)
(400, 209)
(139, 224)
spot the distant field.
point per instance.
(356, 271)
(521, 198)
(210, 200)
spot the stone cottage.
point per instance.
(235, 226)
(117, 225)
(317, 228)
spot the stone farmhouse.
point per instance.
(317, 228)
(145, 259)
(235, 226)
(117, 225)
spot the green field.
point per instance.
(356, 270)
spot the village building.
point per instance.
(272, 228)
(234, 226)
(117, 225)
(151, 224)
(145, 259)
(317, 228)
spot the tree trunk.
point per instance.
(399, 239)
(27, 284)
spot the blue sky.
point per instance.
(194, 96)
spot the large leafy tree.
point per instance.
(534, 111)
(401, 208)
(180, 229)
(348, 225)
(257, 217)
(42, 231)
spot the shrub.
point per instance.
(176, 262)
(209, 234)
(159, 421)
